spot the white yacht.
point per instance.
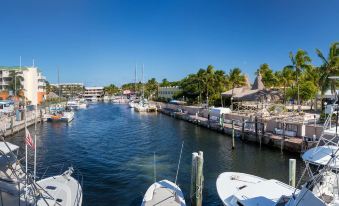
(164, 193)
(73, 105)
(19, 188)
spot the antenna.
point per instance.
(176, 176)
(155, 168)
(33, 62)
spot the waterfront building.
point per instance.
(68, 89)
(33, 83)
(97, 92)
(168, 92)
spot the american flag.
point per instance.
(28, 139)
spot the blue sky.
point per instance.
(99, 42)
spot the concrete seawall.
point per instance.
(9, 126)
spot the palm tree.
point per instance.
(236, 79)
(300, 61)
(285, 77)
(16, 82)
(330, 67)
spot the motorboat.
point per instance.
(163, 192)
(73, 105)
(236, 189)
(65, 116)
(19, 188)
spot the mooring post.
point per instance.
(243, 129)
(256, 127)
(200, 178)
(233, 143)
(193, 178)
(292, 168)
(12, 125)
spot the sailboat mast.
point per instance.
(135, 79)
(59, 85)
(142, 81)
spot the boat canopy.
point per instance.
(6, 149)
(322, 155)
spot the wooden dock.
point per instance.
(257, 135)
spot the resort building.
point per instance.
(93, 92)
(168, 92)
(33, 83)
(68, 89)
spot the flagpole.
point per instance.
(26, 170)
(36, 110)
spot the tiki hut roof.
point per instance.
(255, 93)
(258, 85)
(52, 95)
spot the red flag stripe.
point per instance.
(28, 139)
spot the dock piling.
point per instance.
(243, 129)
(233, 143)
(292, 169)
(197, 178)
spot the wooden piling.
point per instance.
(193, 178)
(233, 142)
(199, 178)
(243, 129)
(292, 169)
(256, 127)
(12, 126)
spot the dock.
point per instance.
(10, 125)
(247, 131)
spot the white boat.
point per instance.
(163, 193)
(132, 104)
(60, 117)
(19, 188)
(107, 98)
(236, 189)
(74, 105)
(67, 116)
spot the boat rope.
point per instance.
(176, 176)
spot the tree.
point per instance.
(300, 61)
(268, 77)
(329, 67)
(236, 78)
(15, 84)
(151, 88)
(111, 89)
(285, 78)
(307, 91)
(165, 83)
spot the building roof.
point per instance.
(13, 68)
(254, 93)
(94, 88)
(52, 95)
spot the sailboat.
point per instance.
(164, 192)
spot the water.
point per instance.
(113, 147)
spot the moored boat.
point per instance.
(163, 192)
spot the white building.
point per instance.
(93, 92)
(168, 92)
(34, 83)
(68, 89)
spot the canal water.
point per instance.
(113, 147)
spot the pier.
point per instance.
(10, 125)
(249, 128)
